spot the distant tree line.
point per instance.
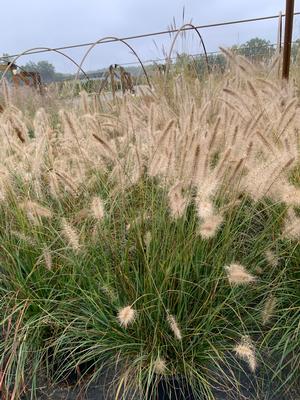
(46, 70)
(256, 49)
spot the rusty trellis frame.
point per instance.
(40, 48)
(180, 30)
(115, 39)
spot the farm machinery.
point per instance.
(20, 76)
(119, 78)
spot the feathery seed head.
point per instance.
(237, 275)
(47, 258)
(210, 226)
(271, 258)
(160, 366)
(268, 310)
(97, 208)
(291, 228)
(174, 327)
(246, 351)
(205, 209)
(177, 202)
(126, 316)
(70, 235)
(35, 211)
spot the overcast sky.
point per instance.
(54, 23)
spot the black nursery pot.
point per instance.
(171, 388)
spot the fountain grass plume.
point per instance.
(118, 217)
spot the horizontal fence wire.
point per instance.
(258, 51)
(209, 53)
(144, 35)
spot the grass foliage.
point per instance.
(156, 234)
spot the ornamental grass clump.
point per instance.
(155, 234)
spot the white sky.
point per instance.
(54, 23)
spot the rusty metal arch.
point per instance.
(117, 40)
(40, 48)
(181, 29)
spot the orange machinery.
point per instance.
(29, 78)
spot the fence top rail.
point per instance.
(164, 32)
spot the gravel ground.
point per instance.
(251, 387)
(96, 392)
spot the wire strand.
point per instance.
(159, 33)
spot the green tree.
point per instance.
(256, 49)
(295, 51)
(45, 69)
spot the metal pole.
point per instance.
(279, 35)
(288, 33)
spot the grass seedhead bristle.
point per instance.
(153, 235)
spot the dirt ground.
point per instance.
(251, 387)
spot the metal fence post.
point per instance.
(288, 34)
